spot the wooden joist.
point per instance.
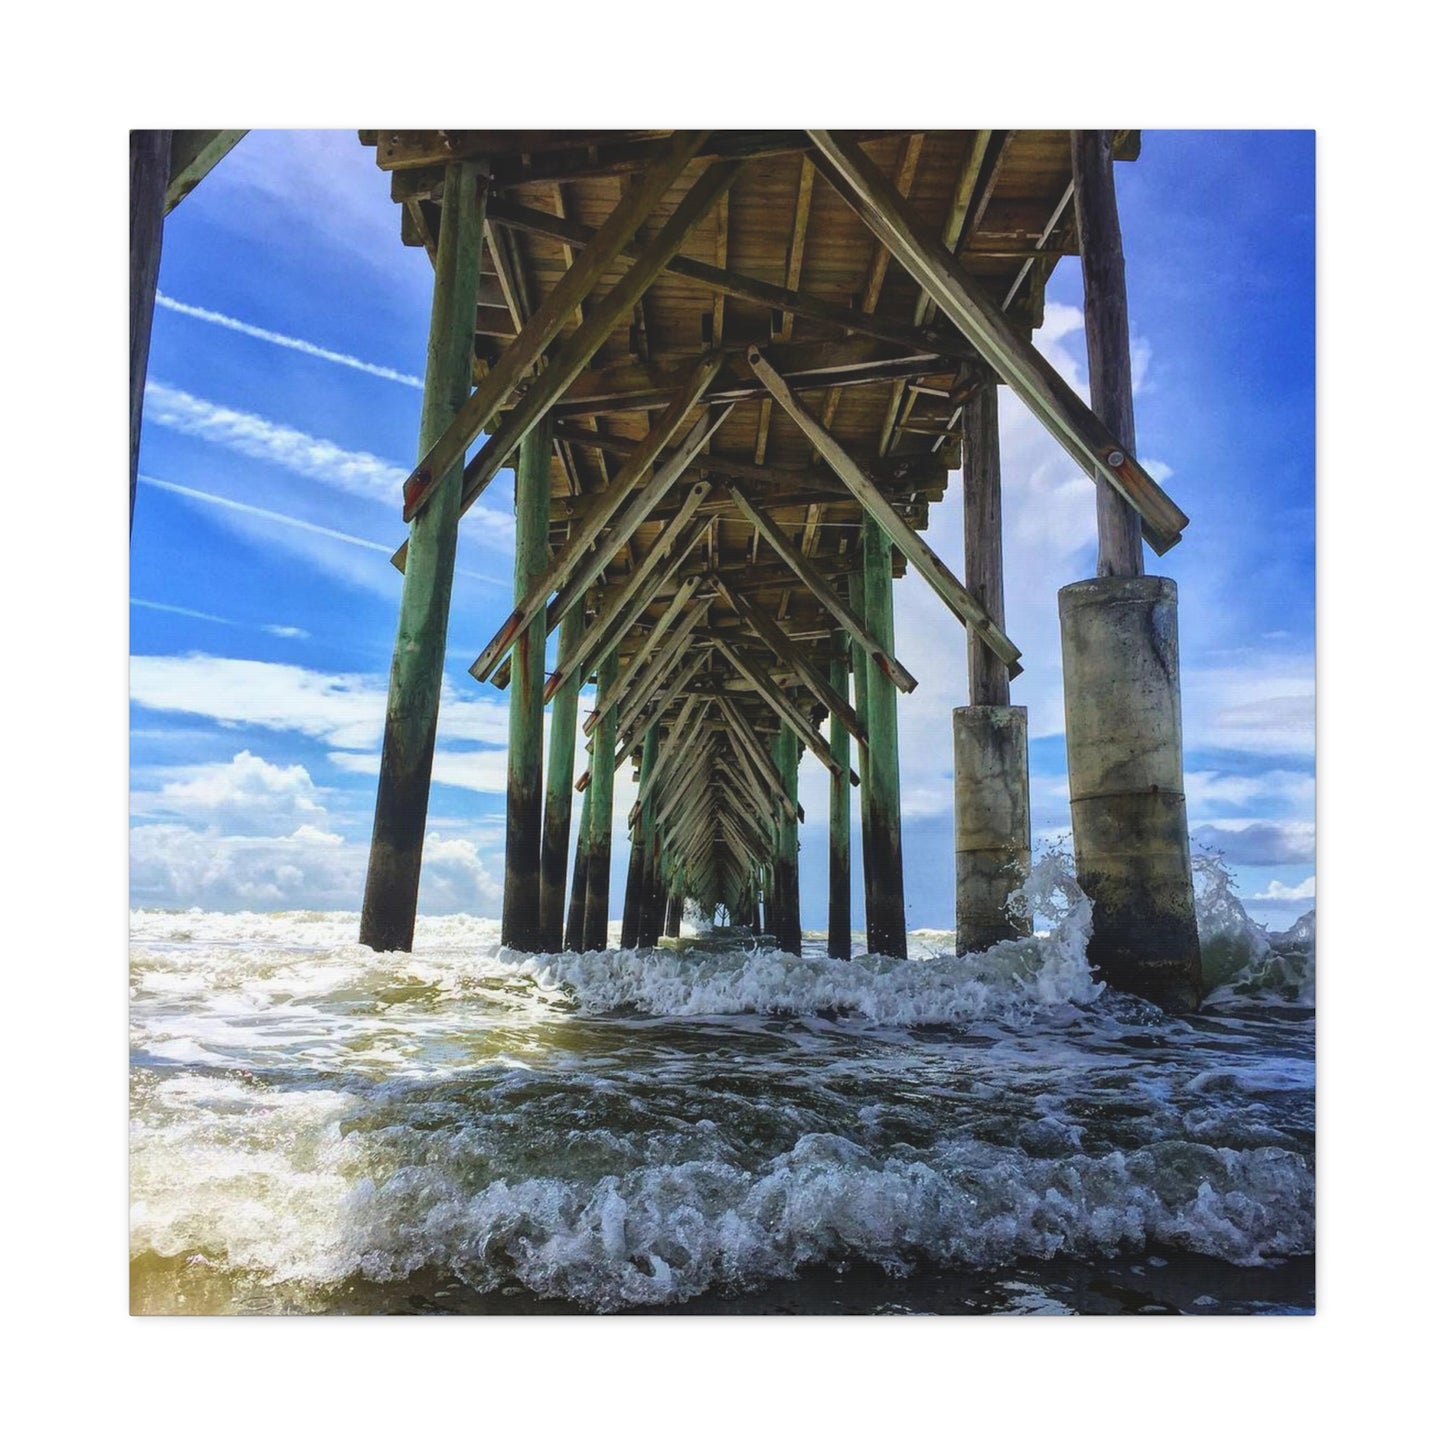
(959, 297)
(194, 154)
(545, 323)
(808, 574)
(787, 298)
(955, 596)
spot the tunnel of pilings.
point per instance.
(731, 372)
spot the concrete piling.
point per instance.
(1126, 784)
(990, 822)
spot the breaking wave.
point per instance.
(628, 1129)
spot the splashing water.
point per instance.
(316, 1127)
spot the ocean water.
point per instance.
(719, 1127)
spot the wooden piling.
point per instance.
(577, 904)
(882, 811)
(599, 823)
(672, 922)
(388, 910)
(787, 927)
(654, 896)
(150, 169)
(861, 671)
(557, 818)
(988, 679)
(521, 887)
(840, 883)
(1106, 333)
(632, 891)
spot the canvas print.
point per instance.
(722, 722)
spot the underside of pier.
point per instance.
(732, 371)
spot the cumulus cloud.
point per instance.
(1261, 844)
(174, 866)
(344, 710)
(1278, 892)
(245, 795)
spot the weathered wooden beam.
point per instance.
(988, 677)
(788, 927)
(649, 695)
(682, 730)
(655, 636)
(642, 691)
(577, 902)
(808, 574)
(388, 910)
(857, 361)
(1096, 449)
(521, 882)
(546, 322)
(1106, 334)
(518, 158)
(787, 299)
(767, 769)
(149, 168)
(670, 548)
(881, 795)
(793, 658)
(557, 815)
(193, 155)
(780, 702)
(954, 595)
(840, 902)
(577, 352)
(599, 825)
(573, 554)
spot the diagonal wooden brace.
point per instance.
(955, 596)
(960, 297)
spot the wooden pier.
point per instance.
(732, 371)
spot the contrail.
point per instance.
(293, 343)
(293, 522)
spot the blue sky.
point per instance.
(264, 605)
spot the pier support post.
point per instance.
(990, 738)
(858, 655)
(840, 883)
(522, 884)
(632, 891)
(990, 821)
(653, 897)
(672, 923)
(577, 904)
(150, 173)
(557, 819)
(882, 810)
(1106, 335)
(787, 927)
(1121, 669)
(388, 909)
(599, 821)
(1126, 784)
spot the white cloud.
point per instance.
(245, 795)
(1208, 790)
(293, 343)
(1280, 892)
(483, 770)
(1258, 842)
(311, 540)
(344, 710)
(1263, 704)
(173, 866)
(358, 473)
